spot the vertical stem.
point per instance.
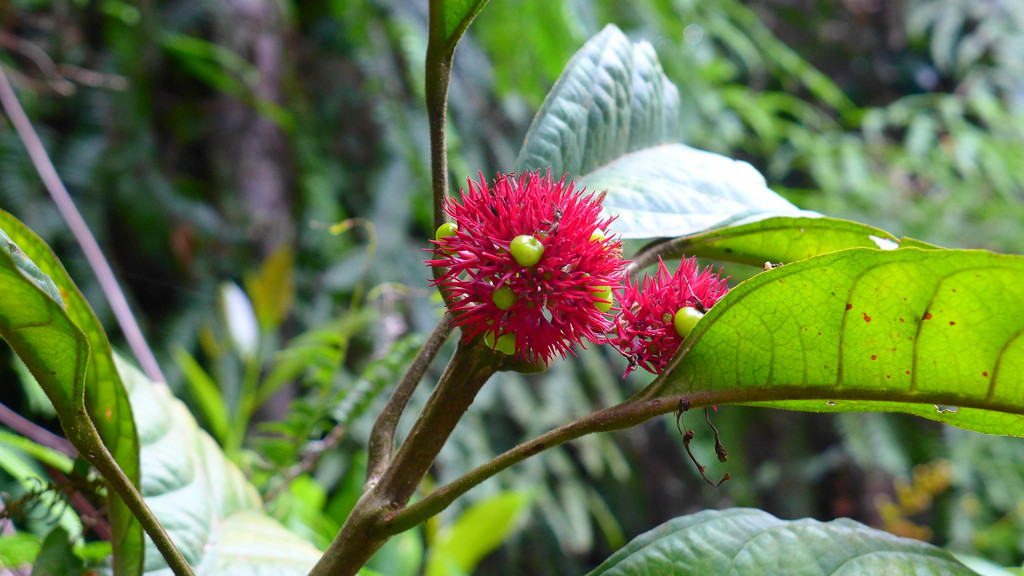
(93, 253)
(438, 75)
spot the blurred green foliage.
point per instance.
(907, 116)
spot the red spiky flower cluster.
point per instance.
(645, 332)
(492, 283)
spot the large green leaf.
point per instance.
(69, 355)
(937, 333)
(752, 542)
(780, 240)
(203, 501)
(612, 123)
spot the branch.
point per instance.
(36, 433)
(382, 438)
(470, 367)
(625, 415)
(99, 264)
(650, 253)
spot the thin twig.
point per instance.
(308, 461)
(36, 433)
(382, 438)
(91, 249)
(41, 59)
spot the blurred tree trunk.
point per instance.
(252, 150)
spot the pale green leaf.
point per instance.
(612, 123)
(673, 190)
(204, 502)
(751, 543)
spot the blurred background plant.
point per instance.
(213, 147)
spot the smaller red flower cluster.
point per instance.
(645, 331)
(527, 260)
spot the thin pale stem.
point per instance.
(91, 249)
(382, 438)
(36, 433)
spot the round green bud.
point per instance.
(504, 298)
(526, 249)
(506, 342)
(597, 236)
(446, 230)
(685, 319)
(604, 293)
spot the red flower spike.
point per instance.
(645, 331)
(548, 293)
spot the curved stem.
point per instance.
(93, 450)
(625, 415)
(650, 253)
(93, 253)
(382, 438)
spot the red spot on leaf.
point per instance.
(927, 315)
(908, 372)
(985, 374)
(866, 317)
(873, 357)
(901, 319)
(951, 323)
(954, 289)
(887, 376)
(108, 413)
(849, 306)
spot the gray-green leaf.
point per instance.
(612, 123)
(204, 502)
(752, 542)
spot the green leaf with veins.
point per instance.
(68, 353)
(936, 333)
(612, 123)
(780, 240)
(753, 542)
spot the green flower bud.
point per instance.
(504, 298)
(685, 319)
(604, 293)
(597, 236)
(527, 250)
(506, 342)
(445, 230)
